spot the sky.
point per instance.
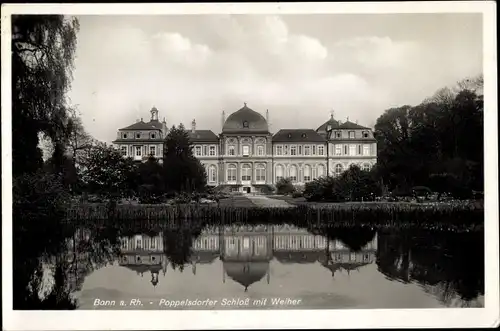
(299, 67)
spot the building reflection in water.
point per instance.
(246, 252)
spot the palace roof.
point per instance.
(246, 273)
(203, 136)
(245, 120)
(351, 125)
(141, 125)
(298, 135)
(298, 257)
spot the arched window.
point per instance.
(279, 172)
(338, 169)
(260, 173)
(293, 173)
(212, 174)
(307, 173)
(366, 167)
(231, 173)
(321, 170)
(246, 172)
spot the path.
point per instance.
(263, 201)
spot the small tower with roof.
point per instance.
(154, 114)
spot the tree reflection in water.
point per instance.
(449, 266)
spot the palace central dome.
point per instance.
(245, 120)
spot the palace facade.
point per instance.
(246, 156)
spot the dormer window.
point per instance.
(351, 134)
(338, 134)
(303, 135)
(365, 134)
(124, 136)
(138, 259)
(289, 135)
(328, 128)
(137, 135)
(153, 135)
(245, 124)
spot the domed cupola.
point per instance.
(246, 273)
(245, 120)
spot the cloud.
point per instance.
(212, 63)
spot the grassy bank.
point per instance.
(449, 216)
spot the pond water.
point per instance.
(275, 267)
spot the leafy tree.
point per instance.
(107, 173)
(150, 176)
(42, 61)
(182, 170)
(43, 49)
(79, 142)
(444, 134)
(285, 186)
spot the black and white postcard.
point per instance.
(249, 165)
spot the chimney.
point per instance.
(142, 120)
(137, 120)
(164, 127)
(193, 126)
(223, 119)
(356, 121)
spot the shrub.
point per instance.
(297, 194)
(268, 189)
(284, 186)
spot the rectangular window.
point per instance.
(286, 150)
(352, 150)
(212, 150)
(138, 151)
(345, 149)
(351, 134)
(307, 150)
(321, 150)
(124, 150)
(300, 150)
(260, 150)
(246, 174)
(197, 150)
(231, 150)
(153, 243)
(366, 149)
(314, 150)
(293, 150)
(279, 150)
(205, 150)
(246, 150)
(231, 175)
(152, 150)
(260, 175)
(212, 175)
(359, 149)
(338, 149)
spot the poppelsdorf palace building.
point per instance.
(246, 155)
